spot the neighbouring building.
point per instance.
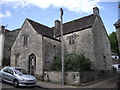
(115, 58)
(117, 26)
(2, 30)
(36, 45)
(10, 37)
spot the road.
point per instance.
(109, 83)
(7, 86)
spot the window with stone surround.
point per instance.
(16, 59)
(25, 40)
(72, 39)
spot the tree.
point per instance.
(114, 42)
(72, 62)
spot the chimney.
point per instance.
(2, 29)
(57, 23)
(96, 11)
(117, 24)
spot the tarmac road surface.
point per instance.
(7, 86)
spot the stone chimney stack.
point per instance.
(96, 11)
(2, 30)
(57, 23)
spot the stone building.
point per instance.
(34, 48)
(2, 30)
(87, 35)
(117, 26)
(36, 45)
(10, 37)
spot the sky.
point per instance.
(14, 12)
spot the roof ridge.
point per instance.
(15, 30)
(37, 22)
(79, 18)
(40, 28)
(8, 31)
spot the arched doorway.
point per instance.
(32, 64)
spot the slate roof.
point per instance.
(77, 25)
(117, 23)
(69, 27)
(6, 30)
(41, 29)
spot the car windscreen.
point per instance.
(21, 70)
(18, 72)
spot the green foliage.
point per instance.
(114, 42)
(72, 62)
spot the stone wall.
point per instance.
(10, 38)
(52, 76)
(34, 46)
(83, 44)
(51, 48)
(118, 38)
(74, 78)
(94, 43)
(101, 46)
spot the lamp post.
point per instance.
(62, 45)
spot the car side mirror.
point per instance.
(11, 73)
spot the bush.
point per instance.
(72, 62)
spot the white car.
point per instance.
(117, 67)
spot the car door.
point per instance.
(10, 75)
(4, 74)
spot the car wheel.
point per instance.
(16, 83)
(2, 81)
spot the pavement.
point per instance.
(106, 83)
(44, 84)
